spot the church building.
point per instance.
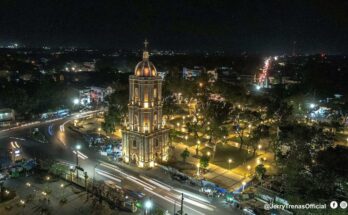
(145, 138)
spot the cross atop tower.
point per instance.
(145, 52)
(146, 43)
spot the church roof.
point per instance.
(145, 68)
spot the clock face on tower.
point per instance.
(145, 139)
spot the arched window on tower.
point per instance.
(155, 93)
(155, 121)
(156, 143)
(146, 99)
(134, 144)
(136, 123)
(136, 94)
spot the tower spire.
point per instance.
(145, 52)
(146, 43)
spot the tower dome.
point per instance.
(145, 68)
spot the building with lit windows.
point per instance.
(7, 116)
(145, 138)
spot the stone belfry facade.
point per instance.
(145, 139)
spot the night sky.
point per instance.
(234, 26)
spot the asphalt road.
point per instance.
(61, 146)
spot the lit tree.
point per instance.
(170, 107)
(260, 171)
(117, 111)
(185, 154)
(204, 161)
(260, 131)
(216, 113)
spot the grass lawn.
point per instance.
(225, 152)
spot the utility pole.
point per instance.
(174, 207)
(182, 204)
(77, 165)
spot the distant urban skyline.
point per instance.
(264, 27)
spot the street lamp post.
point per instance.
(78, 147)
(48, 179)
(259, 147)
(229, 163)
(99, 129)
(148, 206)
(198, 165)
(243, 183)
(197, 146)
(62, 186)
(71, 173)
(76, 101)
(86, 177)
(95, 166)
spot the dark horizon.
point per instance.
(268, 27)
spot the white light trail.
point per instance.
(129, 177)
(109, 176)
(192, 195)
(81, 155)
(153, 181)
(172, 201)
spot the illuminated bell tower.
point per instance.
(145, 139)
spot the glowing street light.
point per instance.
(76, 101)
(200, 84)
(148, 205)
(229, 163)
(259, 146)
(243, 183)
(22, 201)
(208, 154)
